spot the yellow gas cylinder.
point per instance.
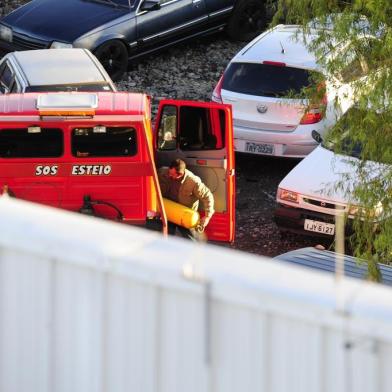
(181, 215)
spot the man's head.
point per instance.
(177, 169)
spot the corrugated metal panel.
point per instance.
(239, 349)
(24, 321)
(324, 260)
(88, 305)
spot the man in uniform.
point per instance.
(182, 186)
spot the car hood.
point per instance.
(319, 174)
(61, 20)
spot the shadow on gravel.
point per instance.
(258, 178)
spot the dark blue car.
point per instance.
(119, 30)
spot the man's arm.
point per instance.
(202, 192)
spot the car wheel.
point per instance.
(113, 55)
(249, 18)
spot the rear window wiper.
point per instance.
(270, 93)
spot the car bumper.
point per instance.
(275, 149)
(293, 220)
(295, 144)
(23, 42)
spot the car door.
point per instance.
(202, 135)
(174, 20)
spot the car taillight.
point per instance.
(312, 116)
(216, 94)
(316, 112)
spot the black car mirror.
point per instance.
(150, 5)
(316, 136)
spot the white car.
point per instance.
(53, 70)
(320, 188)
(260, 82)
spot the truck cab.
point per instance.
(96, 153)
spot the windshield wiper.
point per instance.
(111, 2)
(269, 93)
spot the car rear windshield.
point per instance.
(104, 142)
(79, 87)
(266, 80)
(31, 142)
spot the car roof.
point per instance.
(324, 260)
(268, 47)
(59, 66)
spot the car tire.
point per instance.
(113, 55)
(249, 18)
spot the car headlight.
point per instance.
(6, 33)
(60, 45)
(286, 195)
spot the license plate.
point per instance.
(257, 148)
(319, 227)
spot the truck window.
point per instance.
(101, 141)
(22, 143)
(196, 130)
(167, 131)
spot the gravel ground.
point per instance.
(190, 71)
(7, 6)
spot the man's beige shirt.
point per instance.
(190, 191)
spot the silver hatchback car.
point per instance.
(261, 83)
(53, 70)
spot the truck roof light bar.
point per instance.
(67, 104)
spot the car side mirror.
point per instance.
(150, 5)
(316, 136)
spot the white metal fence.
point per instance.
(89, 305)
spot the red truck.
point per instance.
(96, 153)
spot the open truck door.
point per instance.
(202, 135)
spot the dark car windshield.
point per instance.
(346, 146)
(350, 135)
(79, 87)
(339, 140)
(266, 80)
